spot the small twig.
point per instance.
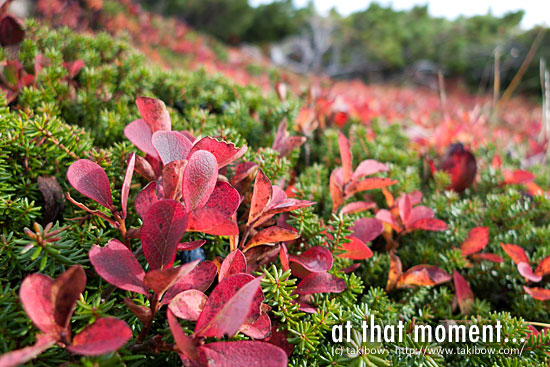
(524, 66)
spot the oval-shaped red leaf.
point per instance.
(322, 282)
(105, 335)
(36, 297)
(139, 133)
(345, 156)
(526, 271)
(163, 226)
(171, 146)
(541, 294)
(367, 229)
(544, 267)
(464, 294)
(244, 353)
(368, 167)
(315, 259)
(476, 241)
(183, 342)
(146, 198)
(261, 196)
(90, 180)
(224, 152)
(117, 265)
(225, 199)
(271, 235)
(211, 221)
(188, 305)
(126, 184)
(355, 249)
(517, 254)
(20, 356)
(234, 263)
(228, 306)
(154, 113)
(199, 179)
(66, 290)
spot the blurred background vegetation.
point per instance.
(376, 44)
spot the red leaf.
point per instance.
(282, 206)
(356, 249)
(139, 133)
(12, 31)
(117, 265)
(417, 213)
(227, 306)
(224, 152)
(279, 337)
(517, 177)
(525, 270)
(159, 280)
(367, 229)
(541, 294)
(285, 144)
(163, 226)
(199, 179)
(336, 187)
(368, 184)
(517, 254)
(405, 208)
(351, 268)
(143, 313)
(145, 199)
(271, 235)
(322, 282)
(315, 259)
(183, 342)
(395, 272)
(126, 184)
(73, 67)
(171, 146)
(188, 246)
(428, 224)
(244, 353)
(283, 254)
(368, 167)
(423, 275)
(461, 165)
(188, 305)
(476, 241)
(211, 221)
(36, 297)
(105, 335)
(90, 180)
(154, 113)
(200, 278)
(544, 267)
(464, 294)
(66, 290)
(21, 356)
(172, 179)
(259, 329)
(345, 155)
(145, 169)
(234, 263)
(486, 256)
(357, 207)
(225, 199)
(261, 196)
